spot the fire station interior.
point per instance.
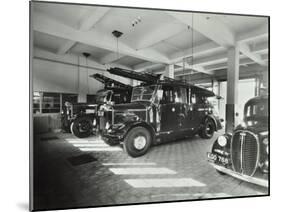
(223, 53)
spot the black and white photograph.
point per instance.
(134, 105)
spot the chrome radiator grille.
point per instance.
(244, 152)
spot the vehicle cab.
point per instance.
(244, 154)
(164, 111)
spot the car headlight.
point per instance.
(222, 141)
(265, 141)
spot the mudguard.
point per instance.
(215, 119)
(131, 124)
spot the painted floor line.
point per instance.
(141, 171)
(164, 183)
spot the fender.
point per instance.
(131, 124)
(215, 120)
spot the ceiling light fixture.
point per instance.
(117, 34)
(136, 21)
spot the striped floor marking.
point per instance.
(194, 195)
(129, 164)
(141, 171)
(100, 149)
(164, 183)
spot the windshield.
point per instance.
(259, 109)
(144, 93)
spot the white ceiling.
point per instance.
(159, 38)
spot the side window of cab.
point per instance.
(167, 97)
(173, 95)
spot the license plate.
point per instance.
(100, 113)
(211, 156)
(218, 158)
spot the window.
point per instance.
(180, 95)
(257, 109)
(72, 98)
(173, 95)
(36, 102)
(47, 102)
(91, 98)
(51, 103)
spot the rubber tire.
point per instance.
(203, 132)
(71, 127)
(75, 127)
(128, 142)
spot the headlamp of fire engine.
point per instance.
(222, 140)
(94, 122)
(243, 124)
(107, 125)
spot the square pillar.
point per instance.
(232, 88)
(82, 81)
(170, 71)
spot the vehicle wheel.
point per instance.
(82, 127)
(137, 142)
(207, 130)
(71, 128)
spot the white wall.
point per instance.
(60, 73)
(246, 91)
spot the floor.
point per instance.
(71, 172)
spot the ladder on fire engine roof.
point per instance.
(110, 83)
(151, 78)
(144, 76)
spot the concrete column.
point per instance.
(232, 87)
(215, 85)
(257, 86)
(170, 71)
(82, 81)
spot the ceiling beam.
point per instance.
(245, 49)
(258, 33)
(222, 57)
(159, 34)
(111, 57)
(207, 25)
(85, 24)
(147, 66)
(205, 48)
(179, 56)
(196, 68)
(45, 24)
(259, 48)
(242, 62)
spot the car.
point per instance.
(160, 110)
(244, 153)
(80, 118)
(72, 110)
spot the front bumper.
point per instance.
(254, 180)
(117, 137)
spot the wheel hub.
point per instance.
(139, 142)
